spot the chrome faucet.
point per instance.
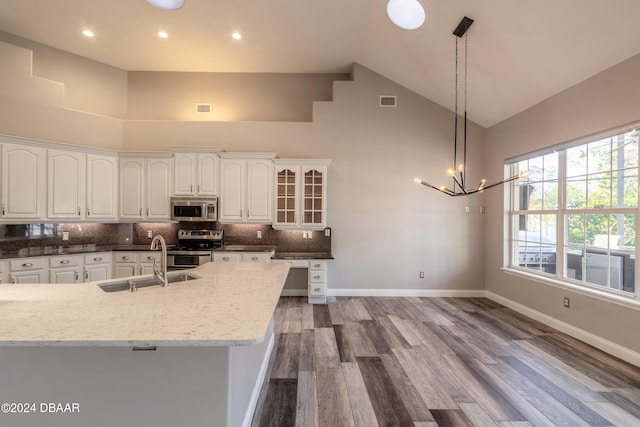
(160, 276)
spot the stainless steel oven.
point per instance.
(194, 248)
(180, 259)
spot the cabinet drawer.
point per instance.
(227, 257)
(314, 264)
(316, 290)
(125, 257)
(27, 264)
(316, 276)
(260, 257)
(98, 258)
(65, 261)
(148, 257)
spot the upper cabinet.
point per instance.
(246, 187)
(145, 188)
(23, 181)
(300, 194)
(195, 173)
(81, 186)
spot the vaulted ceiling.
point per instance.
(520, 51)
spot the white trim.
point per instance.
(255, 394)
(294, 292)
(461, 293)
(596, 341)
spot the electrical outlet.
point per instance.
(467, 209)
(567, 302)
(327, 232)
(65, 235)
(309, 234)
(149, 234)
(482, 209)
(422, 274)
(259, 234)
(304, 234)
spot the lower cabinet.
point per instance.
(65, 269)
(28, 270)
(133, 263)
(97, 266)
(317, 282)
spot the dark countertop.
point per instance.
(302, 255)
(245, 248)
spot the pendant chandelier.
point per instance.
(458, 171)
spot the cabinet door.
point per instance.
(313, 198)
(131, 188)
(158, 189)
(232, 190)
(62, 275)
(97, 272)
(66, 184)
(207, 174)
(35, 276)
(122, 269)
(102, 187)
(286, 196)
(184, 170)
(23, 181)
(259, 191)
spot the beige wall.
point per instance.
(385, 227)
(234, 97)
(607, 100)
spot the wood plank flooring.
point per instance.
(425, 362)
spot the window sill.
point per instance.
(630, 301)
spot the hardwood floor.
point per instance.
(426, 362)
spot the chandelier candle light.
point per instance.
(457, 173)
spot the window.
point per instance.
(575, 217)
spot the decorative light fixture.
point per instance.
(458, 171)
(406, 14)
(167, 4)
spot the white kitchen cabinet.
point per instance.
(23, 181)
(196, 173)
(28, 270)
(134, 263)
(81, 186)
(145, 188)
(3, 272)
(242, 256)
(317, 281)
(97, 266)
(65, 269)
(246, 188)
(102, 187)
(301, 193)
(227, 257)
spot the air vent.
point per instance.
(387, 101)
(203, 108)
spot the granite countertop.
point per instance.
(231, 304)
(68, 250)
(245, 248)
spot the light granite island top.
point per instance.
(206, 343)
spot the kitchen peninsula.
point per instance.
(193, 353)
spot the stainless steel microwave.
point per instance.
(194, 209)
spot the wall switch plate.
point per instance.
(304, 234)
(327, 232)
(567, 302)
(259, 234)
(309, 234)
(65, 235)
(482, 209)
(149, 234)
(467, 209)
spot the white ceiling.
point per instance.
(520, 51)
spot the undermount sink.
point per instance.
(125, 285)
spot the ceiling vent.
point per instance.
(387, 101)
(203, 108)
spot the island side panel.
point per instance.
(117, 386)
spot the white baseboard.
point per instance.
(255, 394)
(406, 293)
(594, 340)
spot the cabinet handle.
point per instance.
(12, 279)
(316, 265)
(86, 274)
(226, 258)
(88, 211)
(248, 215)
(140, 212)
(98, 258)
(64, 262)
(191, 188)
(241, 214)
(77, 275)
(150, 258)
(4, 209)
(78, 210)
(141, 270)
(27, 264)
(198, 188)
(147, 211)
(316, 289)
(254, 258)
(125, 257)
(316, 276)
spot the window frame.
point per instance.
(559, 277)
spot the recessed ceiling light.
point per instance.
(162, 34)
(167, 4)
(88, 33)
(236, 35)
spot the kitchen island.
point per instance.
(194, 353)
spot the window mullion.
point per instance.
(560, 214)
